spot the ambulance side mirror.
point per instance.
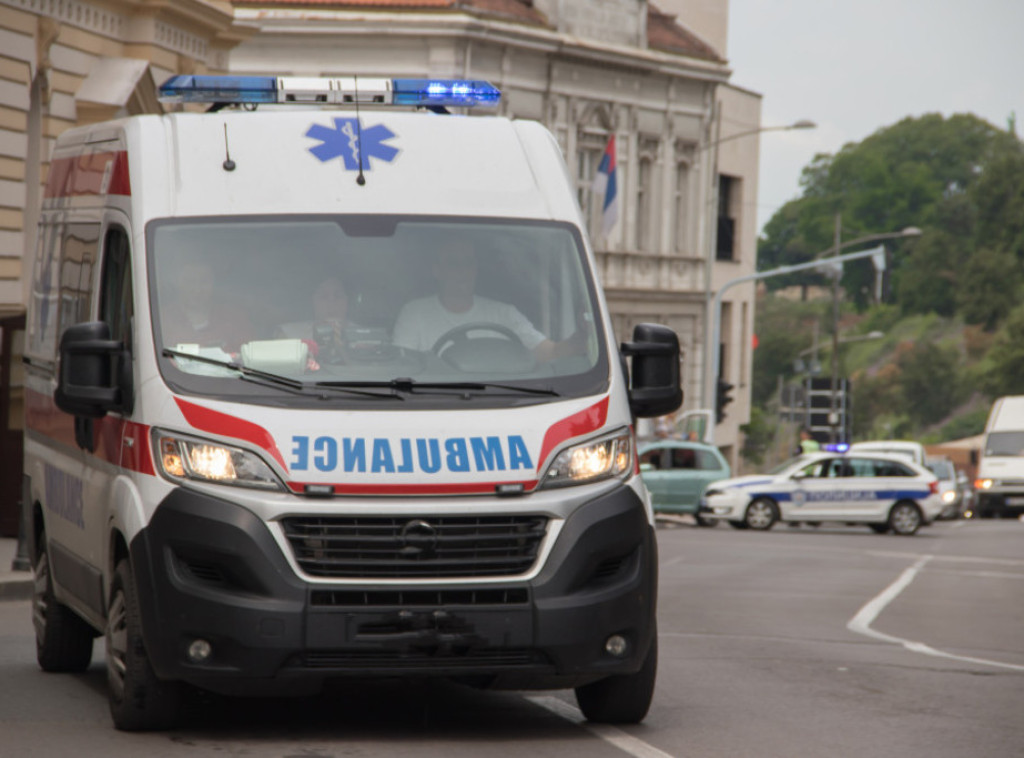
(654, 381)
(94, 372)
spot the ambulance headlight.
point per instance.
(184, 458)
(591, 462)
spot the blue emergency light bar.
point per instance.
(258, 90)
(836, 447)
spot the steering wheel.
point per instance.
(461, 333)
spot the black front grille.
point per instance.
(413, 546)
(411, 598)
(424, 660)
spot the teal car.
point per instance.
(676, 473)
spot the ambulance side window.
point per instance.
(78, 254)
(43, 308)
(116, 306)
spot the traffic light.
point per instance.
(722, 399)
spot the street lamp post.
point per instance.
(711, 237)
(874, 253)
(910, 231)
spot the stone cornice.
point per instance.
(338, 23)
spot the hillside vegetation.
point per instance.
(951, 306)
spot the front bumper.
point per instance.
(1000, 504)
(209, 569)
(723, 507)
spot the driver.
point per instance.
(422, 322)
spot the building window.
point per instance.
(726, 244)
(745, 342)
(588, 158)
(679, 204)
(642, 234)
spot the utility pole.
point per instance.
(833, 417)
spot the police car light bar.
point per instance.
(258, 90)
(837, 447)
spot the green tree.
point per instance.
(928, 280)
(784, 330)
(1006, 358)
(929, 381)
(758, 434)
(998, 196)
(988, 287)
(959, 174)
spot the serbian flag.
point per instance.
(605, 187)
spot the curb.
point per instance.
(16, 588)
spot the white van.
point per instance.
(1000, 478)
(913, 451)
(328, 393)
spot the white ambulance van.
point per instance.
(326, 392)
(1000, 478)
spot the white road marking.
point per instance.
(861, 622)
(610, 734)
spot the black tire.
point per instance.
(761, 514)
(879, 528)
(63, 639)
(623, 698)
(138, 700)
(738, 524)
(905, 518)
(705, 521)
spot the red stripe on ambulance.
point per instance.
(103, 173)
(216, 422)
(111, 434)
(588, 420)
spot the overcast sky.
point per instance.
(856, 66)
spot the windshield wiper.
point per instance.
(268, 379)
(413, 387)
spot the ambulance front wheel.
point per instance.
(63, 640)
(623, 698)
(761, 514)
(138, 700)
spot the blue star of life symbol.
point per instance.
(345, 140)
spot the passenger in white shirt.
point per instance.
(422, 322)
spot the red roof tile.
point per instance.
(663, 33)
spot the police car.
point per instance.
(883, 491)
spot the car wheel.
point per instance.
(761, 514)
(738, 524)
(63, 640)
(904, 518)
(138, 700)
(705, 521)
(879, 528)
(622, 698)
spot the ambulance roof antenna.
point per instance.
(360, 180)
(228, 164)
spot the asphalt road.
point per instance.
(795, 642)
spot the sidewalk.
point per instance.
(14, 585)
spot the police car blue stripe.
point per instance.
(752, 483)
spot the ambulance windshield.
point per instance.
(374, 301)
